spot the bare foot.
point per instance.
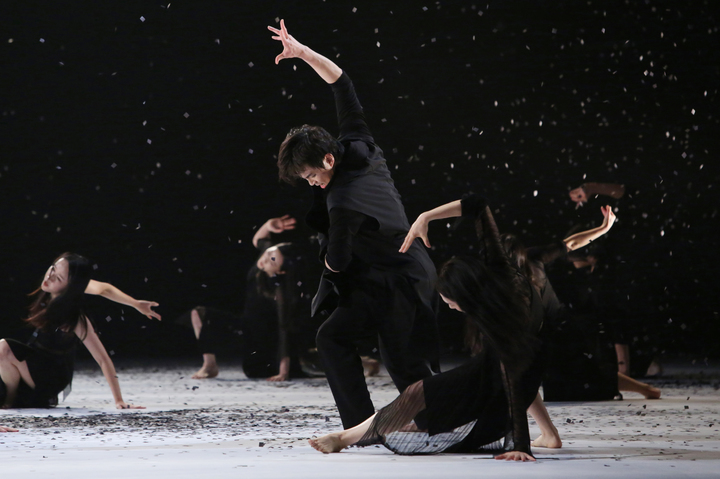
(549, 441)
(327, 444)
(655, 369)
(206, 372)
(371, 366)
(651, 393)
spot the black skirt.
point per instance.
(51, 371)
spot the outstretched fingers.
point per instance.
(406, 243)
(288, 222)
(515, 456)
(419, 229)
(145, 307)
(608, 215)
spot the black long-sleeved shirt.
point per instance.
(360, 209)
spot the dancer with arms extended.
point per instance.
(361, 223)
(564, 354)
(33, 374)
(474, 406)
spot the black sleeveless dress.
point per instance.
(50, 357)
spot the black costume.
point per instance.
(266, 331)
(474, 406)
(579, 355)
(362, 224)
(50, 357)
(627, 283)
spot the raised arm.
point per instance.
(110, 292)
(324, 67)
(583, 238)
(581, 194)
(91, 341)
(274, 225)
(419, 228)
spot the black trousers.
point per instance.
(392, 312)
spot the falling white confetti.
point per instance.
(142, 19)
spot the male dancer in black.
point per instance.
(362, 224)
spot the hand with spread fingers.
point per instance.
(515, 456)
(291, 47)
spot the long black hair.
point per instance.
(495, 301)
(284, 287)
(64, 311)
(517, 253)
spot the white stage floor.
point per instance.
(235, 427)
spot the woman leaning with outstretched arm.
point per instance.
(33, 374)
(474, 406)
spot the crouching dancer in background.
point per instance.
(273, 332)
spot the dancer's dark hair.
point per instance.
(491, 291)
(64, 311)
(517, 252)
(283, 288)
(305, 147)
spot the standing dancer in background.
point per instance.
(474, 406)
(34, 374)
(362, 224)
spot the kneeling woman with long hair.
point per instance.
(478, 404)
(33, 374)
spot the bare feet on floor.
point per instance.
(206, 372)
(327, 444)
(547, 440)
(651, 393)
(371, 366)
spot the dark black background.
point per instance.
(518, 100)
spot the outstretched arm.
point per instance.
(419, 228)
(274, 225)
(324, 67)
(583, 238)
(581, 194)
(91, 341)
(110, 292)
